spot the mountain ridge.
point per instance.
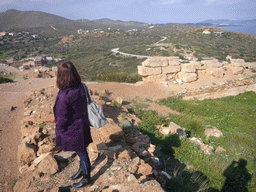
(13, 19)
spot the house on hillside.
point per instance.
(40, 60)
(12, 33)
(35, 36)
(206, 32)
(219, 32)
(2, 34)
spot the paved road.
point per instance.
(116, 50)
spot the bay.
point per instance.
(248, 28)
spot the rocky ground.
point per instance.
(12, 111)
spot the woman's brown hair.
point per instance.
(67, 75)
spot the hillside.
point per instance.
(52, 25)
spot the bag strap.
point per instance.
(88, 95)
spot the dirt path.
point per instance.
(12, 95)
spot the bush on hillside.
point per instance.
(118, 77)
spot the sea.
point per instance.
(247, 28)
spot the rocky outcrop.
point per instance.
(122, 158)
(159, 69)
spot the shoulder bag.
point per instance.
(95, 113)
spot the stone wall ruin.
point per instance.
(158, 69)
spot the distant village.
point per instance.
(37, 61)
(27, 63)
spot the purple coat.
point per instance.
(72, 124)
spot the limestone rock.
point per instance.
(172, 129)
(145, 169)
(48, 165)
(174, 61)
(171, 69)
(112, 131)
(47, 117)
(145, 71)
(188, 68)
(152, 149)
(26, 153)
(237, 70)
(237, 62)
(156, 62)
(212, 131)
(44, 149)
(213, 63)
(205, 148)
(187, 77)
(200, 65)
(119, 100)
(220, 149)
(97, 147)
(216, 72)
(24, 183)
(127, 154)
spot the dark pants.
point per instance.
(84, 161)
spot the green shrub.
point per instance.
(5, 78)
(253, 70)
(118, 77)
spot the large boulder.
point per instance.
(48, 165)
(146, 71)
(111, 131)
(237, 70)
(216, 72)
(173, 61)
(237, 62)
(187, 77)
(213, 63)
(188, 68)
(156, 62)
(171, 69)
(200, 65)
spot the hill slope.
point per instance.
(14, 19)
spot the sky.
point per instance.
(147, 11)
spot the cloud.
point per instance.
(7, 1)
(167, 2)
(226, 1)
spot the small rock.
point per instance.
(13, 108)
(166, 174)
(119, 100)
(155, 161)
(145, 169)
(220, 149)
(116, 148)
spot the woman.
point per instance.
(72, 124)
